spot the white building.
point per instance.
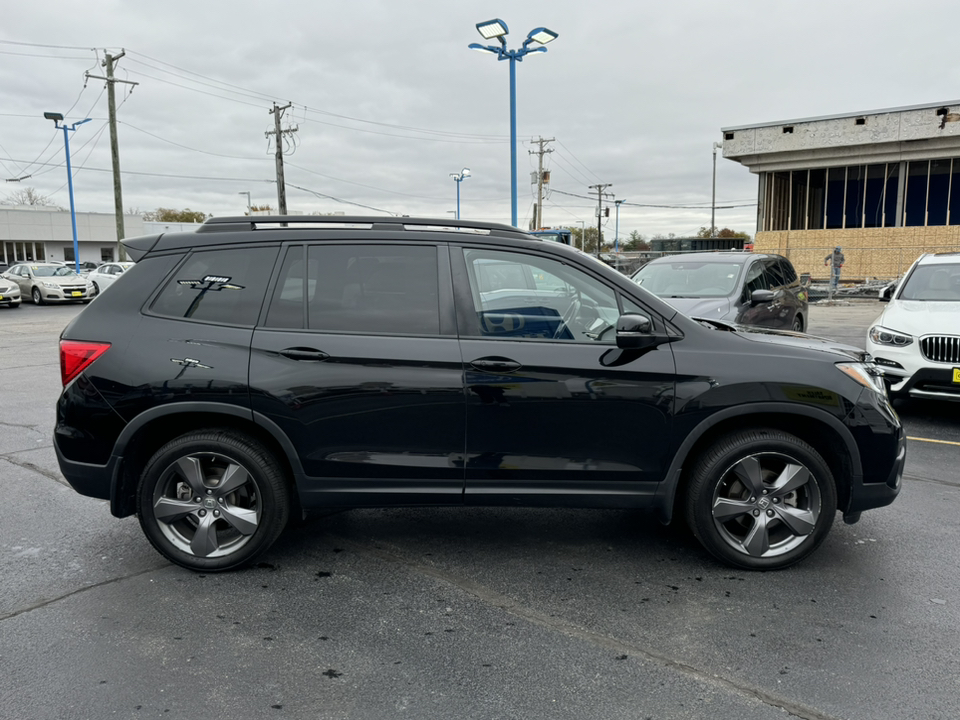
(30, 233)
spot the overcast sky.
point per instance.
(388, 100)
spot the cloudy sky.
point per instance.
(388, 101)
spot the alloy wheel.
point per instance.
(207, 505)
(766, 505)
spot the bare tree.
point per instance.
(29, 196)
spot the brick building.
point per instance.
(884, 185)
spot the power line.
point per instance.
(346, 202)
(153, 174)
(651, 205)
(59, 47)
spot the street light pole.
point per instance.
(249, 206)
(616, 235)
(713, 196)
(459, 178)
(497, 29)
(57, 119)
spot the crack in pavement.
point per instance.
(26, 465)
(46, 603)
(935, 481)
(508, 604)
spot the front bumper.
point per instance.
(908, 374)
(65, 294)
(10, 298)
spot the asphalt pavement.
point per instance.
(468, 613)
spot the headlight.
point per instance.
(867, 375)
(883, 336)
(51, 285)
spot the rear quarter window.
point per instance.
(219, 286)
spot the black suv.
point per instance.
(262, 368)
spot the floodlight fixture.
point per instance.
(542, 35)
(56, 117)
(492, 29)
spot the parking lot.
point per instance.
(469, 613)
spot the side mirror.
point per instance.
(634, 331)
(758, 297)
(886, 293)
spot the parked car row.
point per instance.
(54, 282)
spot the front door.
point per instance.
(550, 416)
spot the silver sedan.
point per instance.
(50, 282)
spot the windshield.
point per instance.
(933, 282)
(51, 271)
(688, 278)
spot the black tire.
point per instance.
(798, 323)
(198, 526)
(96, 288)
(37, 296)
(761, 499)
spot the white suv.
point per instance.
(916, 340)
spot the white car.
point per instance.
(105, 275)
(916, 340)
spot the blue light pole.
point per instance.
(459, 178)
(497, 28)
(57, 119)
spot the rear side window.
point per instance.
(388, 289)
(219, 286)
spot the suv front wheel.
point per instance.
(761, 499)
(212, 500)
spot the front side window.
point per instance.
(756, 279)
(220, 286)
(537, 298)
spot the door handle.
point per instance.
(304, 353)
(496, 364)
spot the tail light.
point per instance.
(76, 356)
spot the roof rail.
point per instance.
(255, 222)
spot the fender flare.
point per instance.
(117, 491)
(666, 494)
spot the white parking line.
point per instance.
(942, 442)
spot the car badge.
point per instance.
(191, 362)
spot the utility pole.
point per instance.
(109, 63)
(600, 193)
(538, 220)
(277, 113)
(713, 194)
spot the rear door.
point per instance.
(356, 361)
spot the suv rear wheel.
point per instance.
(212, 500)
(761, 499)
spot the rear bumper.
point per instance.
(96, 481)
